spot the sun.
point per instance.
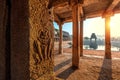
(112, 24)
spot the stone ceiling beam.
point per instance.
(81, 11)
(66, 14)
(94, 14)
(56, 17)
(71, 3)
(68, 19)
(112, 5)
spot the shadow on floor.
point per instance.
(106, 70)
(57, 67)
(66, 73)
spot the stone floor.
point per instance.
(91, 68)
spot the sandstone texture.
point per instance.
(41, 40)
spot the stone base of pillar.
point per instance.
(75, 67)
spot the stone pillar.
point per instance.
(107, 38)
(32, 39)
(20, 45)
(76, 44)
(41, 40)
(61, 39)
(81, 36)
(3, 51)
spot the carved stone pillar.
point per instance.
(76, 44)
(32, 40)
(61, 39)
(41, 40)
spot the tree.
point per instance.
(86, 38)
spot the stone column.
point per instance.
(32, 40)
(81, 36)
(41, 40)
(107, 38)
(3, 47)
(20, 45)
(76, 44)
(61, 39)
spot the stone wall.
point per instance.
(2, 39)
(41, 40)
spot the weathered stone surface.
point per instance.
(30, 40)
(20, 40)
(76, 40)
(2, 39)
(41, 40)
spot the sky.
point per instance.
(95, 25)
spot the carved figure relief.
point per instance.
(43, 36)
(41, 40)
(42, 46)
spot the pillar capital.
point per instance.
(82, 18)
(73, 2)
(108, 14)
(76, 2)
(60, 23)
